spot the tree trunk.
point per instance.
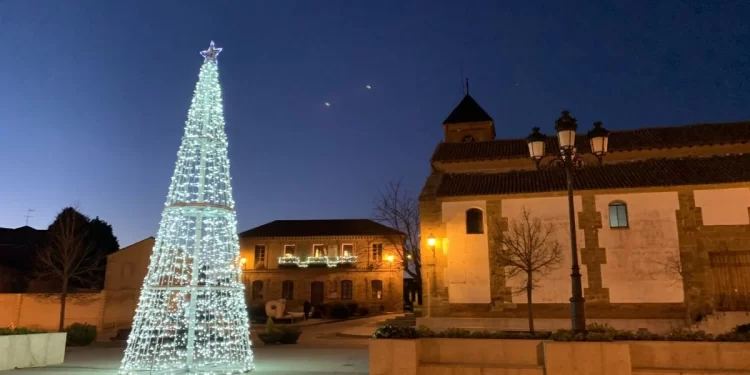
(63, 298)
(528, 303)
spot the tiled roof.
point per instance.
(321, 228)
(623, 140)
(468, 110)
(646, 173)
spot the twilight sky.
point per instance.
(94, 94)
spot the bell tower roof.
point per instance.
(468, 110)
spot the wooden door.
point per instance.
(317, 293)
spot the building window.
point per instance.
(474, 222)
(618, 215)
(346, 289)
(377, 252)
(377, 289)
(333, 250)
(257, 290)
(347, 250)
(289, 250)
(319, 250)
(260, 254)
(287, 290)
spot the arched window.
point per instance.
(257, 290)
(377, 289)
(618, 215)
(346, 289)
(474, 222)
(287, 290)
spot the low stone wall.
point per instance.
(586, 358)
(37, 350)
(494, 324)
(531, 357)
(698, 356)
(720, 322)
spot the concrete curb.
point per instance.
(329, 321)
(348, 335)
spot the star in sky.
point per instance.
(327, 104)
(211, 53)
(369, 87)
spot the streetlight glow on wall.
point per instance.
(568, 158)
(431, 241)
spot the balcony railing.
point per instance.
(317, 262)
(289, 262)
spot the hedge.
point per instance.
(594, 332)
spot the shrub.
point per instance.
(454, 333)
(424, 331)
(742, 328)
(339, 311)
(270, 325)
(393, 332)
(599, 328)
(685, 335)
(80, 334)
(289, 334)
(352, 307)
(321, 311)
(594, 333)
(363, 311)
(483, 334)
(19, 331)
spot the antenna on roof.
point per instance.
(467, 85)
(28, 215)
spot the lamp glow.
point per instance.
(192, 315)
(431, 241)
(389, 258)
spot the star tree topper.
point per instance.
(211, 53)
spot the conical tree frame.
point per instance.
(192, 315)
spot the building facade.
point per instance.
(663, 223)
(323, 261)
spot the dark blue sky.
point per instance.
(94, 94)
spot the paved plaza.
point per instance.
(321, 350)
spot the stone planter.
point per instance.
(710, 357)
(430, 356)
(290, 336)
(36, 350)
(394, 357)
(587, 358)
(269, 338)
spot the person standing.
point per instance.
(306, 307)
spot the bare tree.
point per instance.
(527, 249)
(68, 257)
(678, 271)
(398, 209)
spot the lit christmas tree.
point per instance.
(192, 316)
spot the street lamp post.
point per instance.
(433, 282)
(568, 158)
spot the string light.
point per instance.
(192, 315)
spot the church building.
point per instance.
(662, 224)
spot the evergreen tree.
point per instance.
(192, 316)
